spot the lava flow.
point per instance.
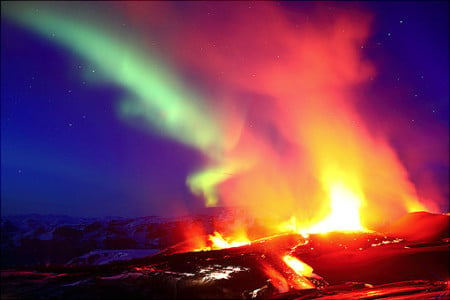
(298, 266)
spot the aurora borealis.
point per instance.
(160, 108)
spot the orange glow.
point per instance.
(217, 241)
(344, 215)
(298, 266)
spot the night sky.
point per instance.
(71, 145)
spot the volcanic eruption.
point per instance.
(282, 136)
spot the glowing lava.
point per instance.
(343, 215)
(302, 270)
(219, 242)
(298, 266)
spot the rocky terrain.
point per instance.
(408, 261)
(33, 239)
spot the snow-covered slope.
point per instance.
(54, 239)
(103, 257)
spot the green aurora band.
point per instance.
(158, 96)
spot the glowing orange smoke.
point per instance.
(294, 145)
(302, 148)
